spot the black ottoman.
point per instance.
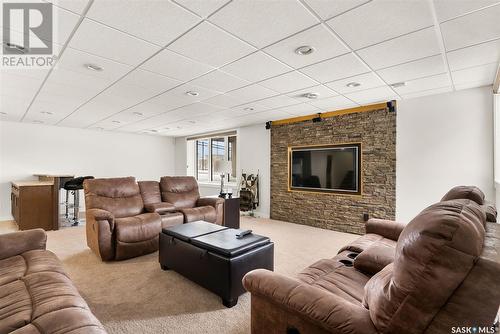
(211, 256)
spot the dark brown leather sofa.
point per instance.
(439, 271)
(183, 193)
(117, 225)
(36, 295)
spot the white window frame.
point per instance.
(226, 157)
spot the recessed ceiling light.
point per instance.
(166, 128)
(192, 93)
(37, 122)
(46, 112)
(117, 122)
(94, 67)
(138, 113)
(248, 109)
(179, 127)
(16, 47)
(3, 113)
(398, 84)
(353, 84)
(153, 130)
(304, 50)
(311, 96)
(192, 122)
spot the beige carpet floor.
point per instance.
(136, 296)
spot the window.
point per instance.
(215, 156)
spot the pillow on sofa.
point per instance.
(374, 258)
(465, 192)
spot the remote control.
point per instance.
(243, 234)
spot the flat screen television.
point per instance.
(331, 168)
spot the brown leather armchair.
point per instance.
(441, 272)
(117, 227)
(183, 193)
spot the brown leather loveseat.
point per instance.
(117, 225)
(36, 295)
(440, 271)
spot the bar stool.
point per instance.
(74, 186)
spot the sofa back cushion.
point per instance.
(181, 191)
(434, 254)
(150, 192)
(120, 196)
(465, 192)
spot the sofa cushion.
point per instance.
(337, 278)
(465, 192)
(181, 191)
(150, 191)
(434, 254)
(36, 296)
(138, 228)
(206, 213)
(491, 211)
(171, 219)
(367, 240)
(120, 196)
(374, 258)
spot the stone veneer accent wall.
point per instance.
(376, 130)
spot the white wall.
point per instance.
(27, 149)
(496, 139)
(442, 141)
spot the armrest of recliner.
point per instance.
(316, 305)
(160, 208)
(210, 201)
(101, 215)
(16, 243)
(100, 226)
(387, 228)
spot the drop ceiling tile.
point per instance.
(272, 115)
(325, 45)
(427, 92)
(278, 101)
(473, 84)
(220, 81)
(485, 74)
(107, 42)
(224, 100)
(374, 95)
(203, 8)
(77, 61)
(478, 27)
(255, 67)
(446, 9)
(153, 82)
(414, 69)
(333, 103)
(177, 97)
(252, 93)
(328, 9)
(420, 44)
(141, 111)
(12, 108)
(78, 80)
(301, 109)
(242, 110)
(289, 82)
(158, 22)
(210, 45)
(18, 86)
(322, 91)
(417, 85)
(76, 6)
(475, 55)
(64, 23)
(264, 22)
(70, 95)
(336, 68)
(50, 110)
(176, 66)
(366, 81)
(381, 20)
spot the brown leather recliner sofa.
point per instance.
(125, 217)
(36, 295)
(438, 272)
